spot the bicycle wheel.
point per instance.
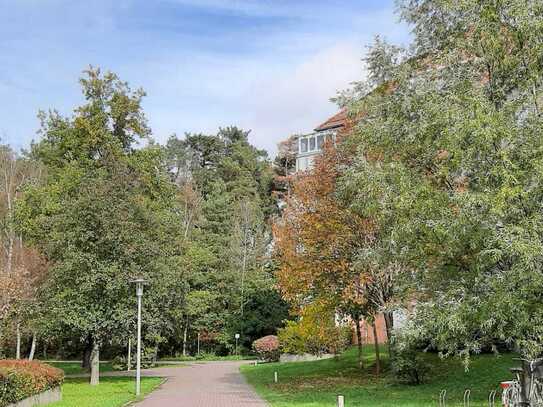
(536, 396)
(511, 395)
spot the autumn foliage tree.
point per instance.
(318, 242)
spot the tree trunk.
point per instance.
(32, 347)
(86, 361)
(185, 330)
(389, 326)
(129, 357)
(243, 270)
(10, 233)
(18, 344)
(95, 364)
(245, 236)
(359, 342)
(377, 356)
(9, 262)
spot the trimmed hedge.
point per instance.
(20, 379)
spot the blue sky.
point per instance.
(266, 65)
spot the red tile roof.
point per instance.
(338, 120)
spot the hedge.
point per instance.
(20, 379)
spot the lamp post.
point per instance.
(139, 294)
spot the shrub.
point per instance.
(408, 363)
(292, 339)
(267, 348)
(20, 379)
(315, 333)
(207, 356)
(148, 359)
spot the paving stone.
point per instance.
(211, 384)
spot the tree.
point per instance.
(103, 216)
(23, 269)
(224, 201)
(318, 242)
(284, 167)
(285, 161)
(448, 158)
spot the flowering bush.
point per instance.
(267, 348)
(20, 379)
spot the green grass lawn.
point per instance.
(71, 368)
(317, 384)
(111, 392)
(75, 367)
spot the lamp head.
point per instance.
(139, 286)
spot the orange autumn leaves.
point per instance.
(317, 239)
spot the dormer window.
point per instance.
(311, 143)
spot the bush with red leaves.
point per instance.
(20, 379)
(267, 348)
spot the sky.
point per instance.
(270, 66)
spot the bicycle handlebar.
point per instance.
(533, 364)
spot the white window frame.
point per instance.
(302, 140)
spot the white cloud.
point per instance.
(283, 89)
(273, 99)
(276, 80)
(297, 100)
(276, 8)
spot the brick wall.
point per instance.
(367, 331)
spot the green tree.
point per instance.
(448, 159)
(225, 196)
(103, 215)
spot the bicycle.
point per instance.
(527, 389)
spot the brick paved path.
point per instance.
(212, 384)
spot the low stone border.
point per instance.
(46, 397)
(306, 357)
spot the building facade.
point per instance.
(311, 145)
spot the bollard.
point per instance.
(275, 377)
(340, 401)
(256, 362)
